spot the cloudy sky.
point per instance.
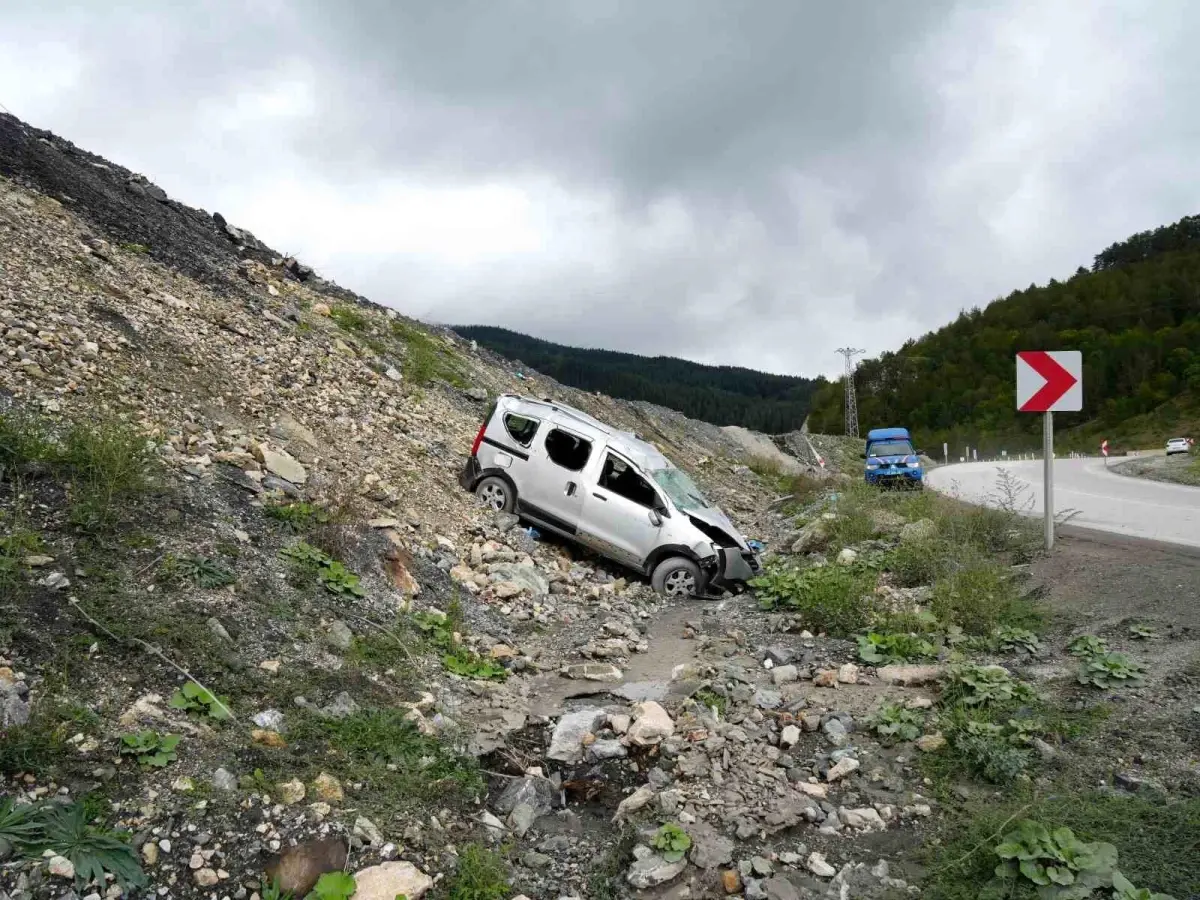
(752, 182)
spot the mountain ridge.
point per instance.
(719, 394)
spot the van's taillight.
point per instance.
(478, 439)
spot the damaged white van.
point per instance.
(571, 474)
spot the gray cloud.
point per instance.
(753, 184)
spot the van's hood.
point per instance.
(715, 518)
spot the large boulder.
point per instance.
(815, 535)
(918, 532)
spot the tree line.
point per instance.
(721, 395)
(1135, 315)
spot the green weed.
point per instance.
(881, 649)
(979, 598)
(893, 721)
(1155, 840)
(971, 685)
(195, 699)
(349, 318)
(201, 571)
(1110, 670)
(150, 748)
(671, 842)
(480, 875)
(833, 599)
(334, 886)
(299, 516)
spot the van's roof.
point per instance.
(886, 434)
(639, 451)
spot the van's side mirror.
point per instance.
(655, 518)
(863, 455)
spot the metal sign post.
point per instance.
(1048, 382)
(1048, 476)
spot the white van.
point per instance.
(571, 474)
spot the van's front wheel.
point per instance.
(677, 577)
(496, 493)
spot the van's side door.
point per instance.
(617, 511)
(553, 488)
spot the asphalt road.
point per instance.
(1102, 500)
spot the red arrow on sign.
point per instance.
(1058, 380)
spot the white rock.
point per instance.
(818, 866)
(388, 880)
(843, 768)
(789, 736)
(848, 674)
(865, 819)
(634, 802)
(847, 557)
(61, 866)
(651, 724)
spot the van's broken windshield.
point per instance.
(681, 489)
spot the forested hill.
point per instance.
(1135, 316)
(722, 395)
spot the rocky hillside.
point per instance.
(256, 643)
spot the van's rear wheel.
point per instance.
(496, 493)
(677, 577)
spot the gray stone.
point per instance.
(765, 699)
(653, 870)
(343, 706)
(607, 749)
(478, 394)
(780, 655)
(710, 848)
(367, 831)
(779, 888)
(785, 674)
(761, 867)
(537, 793)
(535, 860)
(522, 818)
(269, 718)
(566, 744)
(215, 626)
(835, 731)
(528, 578)
(919, 531)
(815, 535)
(224, 780)
(340, 637)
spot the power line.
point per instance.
(851, 400)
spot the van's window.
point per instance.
(618, 477)
(891, 448)
(567, 451)
(521, 429)
(681, 489)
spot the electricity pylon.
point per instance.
(851, 400)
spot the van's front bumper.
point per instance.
(732, 568)
(895, 476)
(469, 476)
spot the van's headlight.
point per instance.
(872, 466)
(915, 464)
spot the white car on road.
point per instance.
(1178, 445)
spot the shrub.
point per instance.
(1110, 670)
(349, 318)
(971, 685)
(986, 752)
(1062, 866)
(331, 574)
(64, 830)
(107, 465)
(1087, 645)
(834, 599)
(334, 886)
(479, 875)
(298, 516)
(893, 720)
(199, 570)
(977, 597)
(881, 649)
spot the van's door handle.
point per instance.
(599, 496)
(571, 489)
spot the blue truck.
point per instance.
(891, 459)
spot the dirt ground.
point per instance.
(1107, 578)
